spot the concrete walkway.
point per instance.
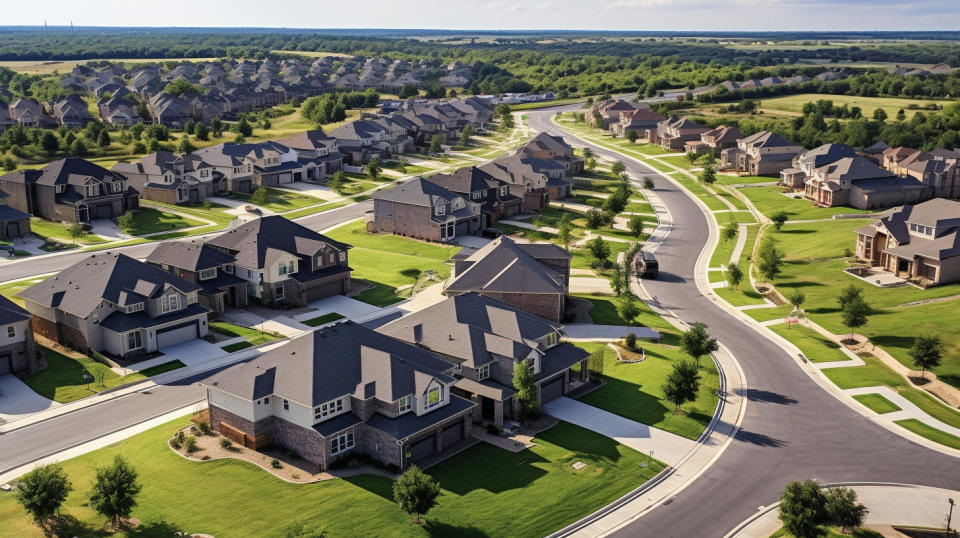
(741, 242)
(589, 331)
(18, 400)
(663, 445)
(907, 409)
(889, 504)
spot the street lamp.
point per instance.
(949, 514)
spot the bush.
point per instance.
(630, 341)
(275, 463)
(226, 443)
(191, 444)
(176, 443)
(492, 429)
(204, 427)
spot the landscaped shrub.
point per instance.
(176, 443)
(226, 443)
(191, 444)
(275, 463)
(630, 341)
(204, 427)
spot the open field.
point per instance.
(769, 200)
(890, 105)
(48, 67)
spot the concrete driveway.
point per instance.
(667, 447)
(106, 229)
(192, 353)
(322, 192)
(344, 306)
(18, 400)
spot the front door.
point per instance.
(486, 408)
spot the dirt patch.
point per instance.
(578, 310)
(625, 355)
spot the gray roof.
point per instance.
(417, 191)
(262, 241)
(466, 180)
(11, 312)
(826, 154)
(190, 255)
(766, 139)
(853, 168)
(504, 266)
(72, 171)
(117, 278)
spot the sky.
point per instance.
(680, 15)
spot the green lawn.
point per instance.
(391, 261)
(933, 434)
(253, 336)
(873, 373)
(740, 217)
(930, 405)
(148, 220)
(735, 201)
(635, 390)
(877, 403)
(64, 379)
(323, 320)
(814, 346)
(680, 161)
(486, 492)
(237, 346)
(742, 296)
(638, 207)
(713, 203)
(723, 251)
(769, 200)
(281, 201)
(582, 258)
(890, 105)
(11, 289)
(56, 236)
(216, 213)
(724, 179)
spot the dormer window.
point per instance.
(434, 397)
(208, 274)
(117, 186)
(551, 340)
(440, 209)
(287, 267)
(169, 303)
(91, 190)
(134, 308)
(228, 269)
(59, 189)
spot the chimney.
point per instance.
(417, 333)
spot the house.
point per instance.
(315, 146)
(639, 121)
(70, 190)
(484, 339)
(169, 110)
(480, 187)
(342, 390)
(857, 182)
(673, 133)
(173, 179)
(940, 174)
(424, 210)
(762, 153)
(18, 350)
(604, 113)
(119, 111)
(534, 277)
(211, 269)
(805, 163)
(286, 263)
(13, 222)
(71, 111)
(361, 140)
(714, 140)
(524, 181)
(547, 147)
(114, 304)
(898, 159)
(918, 242)
(28, 113)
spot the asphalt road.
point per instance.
(793, 429)
(48, 264)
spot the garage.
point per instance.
(177, 334)
(284, 178)
(452, 434)
(6, 363)
(13, 229)
(423, 448)
(320, 291)
(103, 211)
(551, 390)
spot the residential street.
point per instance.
(793, 429)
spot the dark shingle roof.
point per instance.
(257, 242)
(191, 255)
(504, 266)
(11, 312)
(409, 423)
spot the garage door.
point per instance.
(104, 211)
(6, 363)
(551, 390)
(13, 229)
(452, 434)
(175, 335)
(422, 448)
(324, 290)
(285, 178)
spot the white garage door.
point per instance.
(285, 178)
(176, 336)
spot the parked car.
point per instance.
(252, 209)
(647, 265)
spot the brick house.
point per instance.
(19, 354)
(609, 112)
(918, 242)
(523, 180)
(319, 147)
(264, 164)
(424, 210)
(173, 179)
(286, 263)
(546, 147)
(117, 305)
(673, 133)
(70, 190)
(805, 163)
(484, 338)
(762, 153)
(714, 140)
(339, 390)
(534, 277)
(857, 182)
(479, 187)
(639, 121)
(940, 174)
(211, 269)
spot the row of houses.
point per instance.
(472, 199)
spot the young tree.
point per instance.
(374, 168)
(843, 509)
(600, 251)
(779, 218)
(848, 294)
(620, 280)
(648, 183)
(636, 225)
(590, 163)
(734, 275)
(803, 509)
(770, 259)
(408, 91)
(338, 181)
(436, 144)
(697, 342)
(588, 153)
(202, 132)
(416, 492)
(49, 142)
(628, 309)
(632, 136)
(9, 164)
(855, 314)
(243, 127)
(682, 384)
(125, 222)
(216, 127)
(526, 387)
(565, 232)
(595, 219)
(926, 352)
(76, 231)
(797, 299)
(730, 230)
(708, 175)
(42, 492)
(238, 138)
(880, 115)
(115, 490)
(265, 124)
(259, 196)
(185, 145)
(465, 135)
(78, 148)
(692, 157)
(618, 168)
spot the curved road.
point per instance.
(793, 429)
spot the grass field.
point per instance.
(254, 337)
(876, 403)
(57, 232)
(280, 201)
(323, 320)
(147, 220)
(724, 179)
(873, 373)
(487, 491)
(11, 289)
(63, 67)
(890, 105)
(768, 201)
(814, 346)
(933, 434)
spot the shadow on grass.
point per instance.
(68, 525)
(489, 468)
(797, 232)
(766, 396)
(759, 439)
(798, 284)
(436, 528)
(377, 485)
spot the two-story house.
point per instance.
(286, 263)
(114, 304)
(493, 195)
(424, 210)
(28, 113)
(70, 190)
(918, 242)
(18, 351)
(484, 339)
(547, 147)
(173, 179)
(119, 111)
(212, 269)
(317, 147)
(339, 390)
(638, 121)
(857, 182)
(13, 222)
(673, 133)
(805, 163)
(762, 153)
(169, 110)
(608, 111)
(534, 277)
(71, 111)
(714, 140)
(361, 140)
(524, 181)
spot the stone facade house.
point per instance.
(940, 174)
(70, 190)
(318, 147)
(638, 121)
(343, 390)
(546, 147)
(284, 262)
(173, 179)
(920, 243)
(609, 112)
(674, 133)
(119, 111)
(857, 182)
(524, 181)
(479, 187)
(534, 277)
(762, 153)
(714, 140)
(19, 354)
(484, 339)
(211, 269)
(424, 210)
(71, 111)
(114, 304)
(805, 163)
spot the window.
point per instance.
(342, 442)
(434, 397)
(92, 190)
(58, 189)
(278, 292)
(531, 362)
(333, 257)
(133, 341)
(343, 256)
(551, 339)
(330, 408)
(169, 303)
(440, 210)
(207, 274)
(11, 331)
(287, 267)
(134, 308)
(228, 269)
(503, 191)
(286, 405)
(405, 404)
(266, 400)
(483, 372)
(117, 186)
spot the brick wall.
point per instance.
(550, 306)
(309, 444)
(380, 445)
